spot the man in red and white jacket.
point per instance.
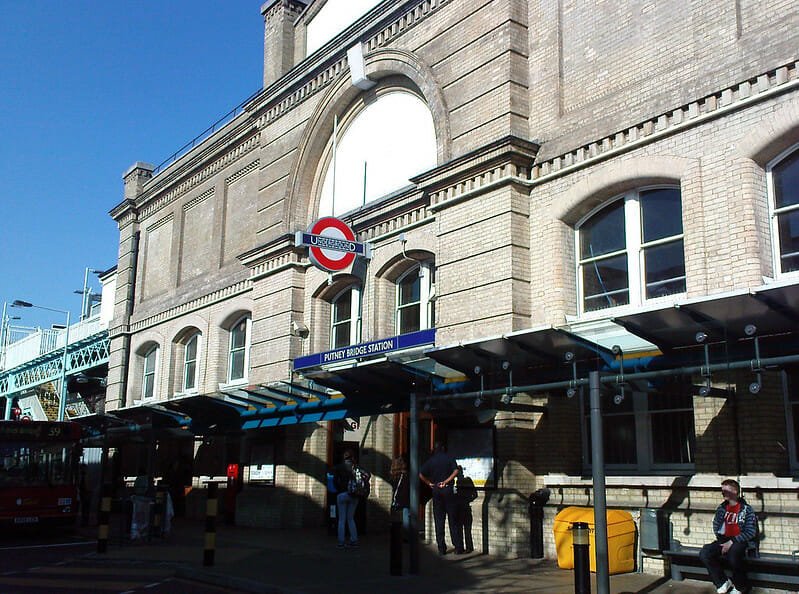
(734, 525)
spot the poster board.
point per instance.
(473, 448)
(261, 469)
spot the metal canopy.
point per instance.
(153, 415)
(370, 386)
(208, 414)
(534, 353)
(766, 311)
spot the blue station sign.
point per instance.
(367, 349)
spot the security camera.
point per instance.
(299, 329)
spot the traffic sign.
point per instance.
(331, 244)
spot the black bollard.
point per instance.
(210, 525)
(395, 564)
(103, 519)
(582, 563)
(158, 512)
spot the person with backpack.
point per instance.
(352, 484)
(465, 493)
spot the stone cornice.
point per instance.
(509, 149)
(187, 307)
(153, 201)
(738, 96)
(123, 211)
(378, 28)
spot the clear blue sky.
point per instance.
(86, 89)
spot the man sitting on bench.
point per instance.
(734, 525)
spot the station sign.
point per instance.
(331, 244)
(367, 349)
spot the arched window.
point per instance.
(416, 299)
(387, 143)
(631, 250)
(239, 350)
(783, 175)
(332, 18)
(150, 365)
(191, 352)
(345, 318)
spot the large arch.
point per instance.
(391, 70)
(611, 179)
(762, 143)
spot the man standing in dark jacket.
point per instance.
(439, 472)
(734, 525)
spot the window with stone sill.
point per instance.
(783, 184)
(149, 368)
(191, 351)
(345, 318)
(415, 299)
(239, 351)
(791, 399)
(650, 429)
(630, 250)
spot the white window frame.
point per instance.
(426, 273)
(790, 380)
(197, 336)
(774, 213)
(246, 348)
(635, 249)
(354, 319)
(153, 375)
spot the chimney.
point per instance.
(135, 177)
(279, 17)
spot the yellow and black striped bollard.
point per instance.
(210, 525)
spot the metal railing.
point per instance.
(44, 340)
(217, 125)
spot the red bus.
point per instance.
(38, 472)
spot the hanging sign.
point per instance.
(331, 244)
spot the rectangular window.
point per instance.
(649, 429)
(148, 377)
(190, 364)
(239, 347)
(791, 394)
(416, 299)
(784, 188)
(345, 316)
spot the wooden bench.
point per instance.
(764, 569)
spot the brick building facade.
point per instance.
(547, 117)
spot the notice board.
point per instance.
(473, 448)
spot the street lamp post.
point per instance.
(62, 404)
(86, 299)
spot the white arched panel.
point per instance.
(395, 138)
(332, 19)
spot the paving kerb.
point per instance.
(295, 561)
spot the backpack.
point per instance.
(358, 485)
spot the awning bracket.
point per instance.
(757, 368)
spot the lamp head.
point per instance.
(20, 303)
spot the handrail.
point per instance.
(229, 116)
(45, 340)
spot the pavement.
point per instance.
(294, 561)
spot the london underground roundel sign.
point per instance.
(331, 244)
